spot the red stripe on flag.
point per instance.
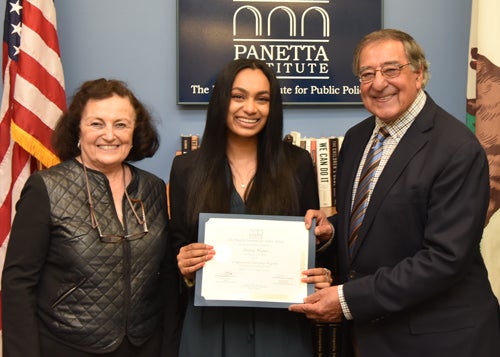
(32, 123)
(34, 19)
(5, 123)
(19, 160)
(5, 214)
(5, 58)
(36, 74)
(4, 137)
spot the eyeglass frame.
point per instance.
(115, 238)
(397, 67)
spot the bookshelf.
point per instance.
(324, 153)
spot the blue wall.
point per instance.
(136, 41)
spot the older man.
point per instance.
(412, 195)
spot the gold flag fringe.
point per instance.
(33, 146)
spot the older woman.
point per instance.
(89, 268)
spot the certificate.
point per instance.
(258, 260)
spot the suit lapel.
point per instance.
(410, 144)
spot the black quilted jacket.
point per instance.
(91, 294)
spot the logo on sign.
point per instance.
(291, 39)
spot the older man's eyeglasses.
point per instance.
(116, 238)
(388, 71)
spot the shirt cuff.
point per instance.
(343, 303)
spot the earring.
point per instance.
(78, 145)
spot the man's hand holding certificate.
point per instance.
(258, 262)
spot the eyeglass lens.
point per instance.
(388, 71)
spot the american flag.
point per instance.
(32, 101)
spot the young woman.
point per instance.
(243, 167)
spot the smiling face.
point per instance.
(106, 132)
(249, 104)
(388, 98)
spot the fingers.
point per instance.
(298, 308)
(310, 310)
(193, 257)
(327, 274)
(321, 277)
(196, 249)
(323, 231)
(310, 214)
(322, 306)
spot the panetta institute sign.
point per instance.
(308, 43)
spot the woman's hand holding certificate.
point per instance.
(259, 260)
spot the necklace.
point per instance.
(244, 185)
(244, 180)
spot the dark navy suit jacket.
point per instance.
(416, 284)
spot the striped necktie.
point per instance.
(362, 193)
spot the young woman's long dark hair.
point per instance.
(273, 190)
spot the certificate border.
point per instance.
(311, 261)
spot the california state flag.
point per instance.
(483, 108)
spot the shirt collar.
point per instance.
(399, 127)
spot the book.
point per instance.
(185, 143)
(334, 156)
(296, 137)
(195, 142)
(323, 171)
(311, 147)
(341, 139)
(189, 143)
